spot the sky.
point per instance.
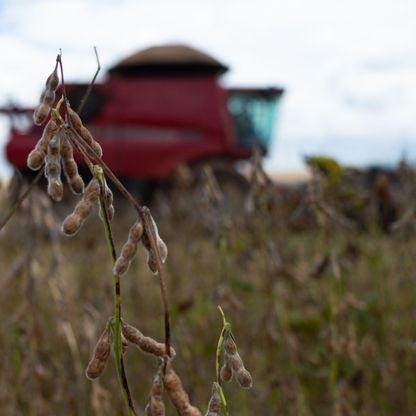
(348, 67)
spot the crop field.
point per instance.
(318, 286)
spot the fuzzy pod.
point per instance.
(75, 119)
(123, 262)
(144, 343)
(136, 231)
(234, 361)
(84, 132)
(161, 246)
(35, 159)
(177, 394)
(71, 224)
(76, 183)
(82, 210)
(124, 344)
(157, 407)
(121, 266)
(226, 373)
(92, 191)
(55, 189)
(244, 378)
(37, 155)
(53, 169)
(214, 404)
(87, 136)
(48, 97)
(52, 81)
(152, 262)
(108, 201)
(100, 356)
(129, 249)
(70, 167)
(229, 344)
(241, 374)
(41, 113)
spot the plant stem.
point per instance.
(226, 327)
(115, 322)
(89, 89)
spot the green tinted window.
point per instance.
(254, 116)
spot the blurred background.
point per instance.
(347, 67)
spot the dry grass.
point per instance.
(323, 317)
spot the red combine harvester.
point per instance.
(160, 109)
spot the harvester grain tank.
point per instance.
(162, 108)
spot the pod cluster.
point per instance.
(144, 343)
(129, 249)
(100, 355)
(233, 364)
(214, 404)
(84, 132)
(47, 98)
(82, 210)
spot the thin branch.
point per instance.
(88, 92)
(116, 321)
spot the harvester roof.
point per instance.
(174, 59)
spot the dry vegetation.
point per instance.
(323, 313)
(318, 283)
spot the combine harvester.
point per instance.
(161, 109)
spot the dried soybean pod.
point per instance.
(48, 97)
(82, 210)
(177, 394)
(41, 113)
(124, 344)
(100, 356)
(244, 378)
(129, 249)
(70, 167)
(214, 405)
(37, 155)
(84, 132)
(53, 169)
(52, 81)
(157, 407)
(229, 343)
(226, 373)
(234, 362)
(161, 246)
(108, 201)
(144, 343)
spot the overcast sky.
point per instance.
(348, 66)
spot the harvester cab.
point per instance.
(163, 108)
